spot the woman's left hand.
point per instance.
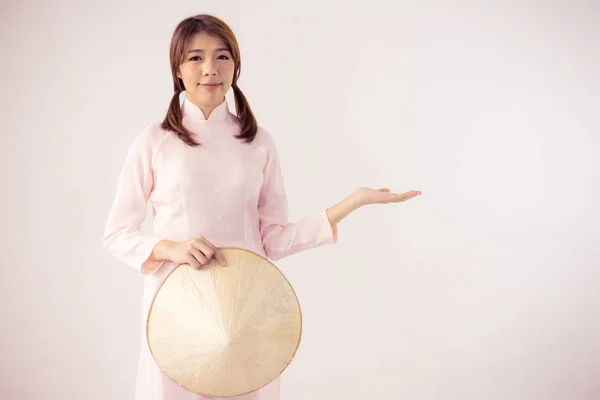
(361, 197)
(366, 195)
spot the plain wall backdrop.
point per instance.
(486, 287)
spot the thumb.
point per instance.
(220, 257)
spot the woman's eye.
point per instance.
(197, 58)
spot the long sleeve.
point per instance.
(122, 236)
(281, 237)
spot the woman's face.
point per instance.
(207, 71)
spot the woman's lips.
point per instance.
(210, 87)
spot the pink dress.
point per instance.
(228, 191)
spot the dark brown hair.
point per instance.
(180, 41)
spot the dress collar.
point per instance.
(193, 113)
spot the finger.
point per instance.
(394, 197)
(220, 257)
(192, 261)
(199, 256)
(206, 248)
(216, 252)
(407, 195)
(389, 197)
(404, 196)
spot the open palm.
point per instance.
(366, 195)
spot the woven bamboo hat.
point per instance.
(225, 331)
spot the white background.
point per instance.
(486, 287)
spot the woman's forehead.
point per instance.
(205, 42)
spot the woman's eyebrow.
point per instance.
(202, 50)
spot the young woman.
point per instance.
(214, 180)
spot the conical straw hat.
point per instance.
(225, 331)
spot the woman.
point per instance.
(214, 180)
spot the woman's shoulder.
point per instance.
(151, 136)
(264, 139)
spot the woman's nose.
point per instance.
(209, 68)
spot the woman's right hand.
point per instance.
(195, 252)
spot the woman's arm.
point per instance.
(122, 237)
(281, 237)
